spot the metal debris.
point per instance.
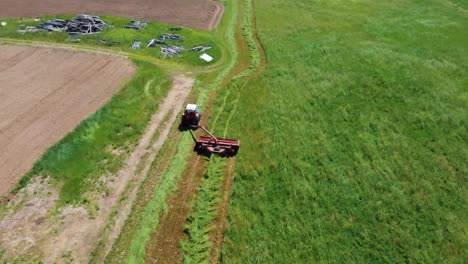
(86, 24)
(155, 42)
(80, 25)
(107, 42)
(29, 29)
(136, 45)
(3, 23)
(171, 37)
(200, 48)
(206, 57)
(171, 51)
(175, 28)
(137, 25)
(54, 25)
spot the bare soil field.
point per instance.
(200, 14)
(44, 94)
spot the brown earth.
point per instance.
(200, 14)
(33, 228)
(44, 94)
(171, 224)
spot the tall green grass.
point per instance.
(86, 153)
(354, 140)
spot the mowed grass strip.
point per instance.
(90, 150)
(198, 247)
(354, 139)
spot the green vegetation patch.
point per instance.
(100, 144)
(354, 138)
(124, 36)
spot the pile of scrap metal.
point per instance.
(155, 42)
(200, 48)
(171, 51)
(136, 45)
(137, 25)
(85, 24)
(54, 25)
(80, 25)
(160, 41)
(171, 37)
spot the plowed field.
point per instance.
(44, 94)
(200, 14)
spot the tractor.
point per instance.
(191, 116)
(207, 145)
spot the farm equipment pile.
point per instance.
(207, 144)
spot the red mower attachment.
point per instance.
(220, 146)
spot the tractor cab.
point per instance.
(191, 116)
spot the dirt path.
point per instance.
(171, 225)
(72, 234)
(38, 108)
(200, 14)
(168, 111)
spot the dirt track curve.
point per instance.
(200, 14)
(44, 94)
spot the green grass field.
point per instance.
(354, 139)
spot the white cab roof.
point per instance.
(191, 107)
